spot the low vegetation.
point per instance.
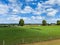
(28, 34)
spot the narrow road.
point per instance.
(53, 42)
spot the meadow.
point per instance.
(28, 34)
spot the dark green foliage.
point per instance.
(58, 22)
(44, 22)
(21, 22)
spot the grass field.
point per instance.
(28, 34)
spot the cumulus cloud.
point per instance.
(13, 18)
(37, 17)
(27, 9)
(9, 19)
(51, 12)
(32, 19)
(38, 10)
(14, 9)
(53, 2)
(53, 20)
(12, 1)
(50, 2)
(4, 9)
(29, 0)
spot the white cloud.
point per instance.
(39, 5)
(38, 10)
(3, 9)
(33, 19)
(58, 2)
(50, 2)
(29, 0)
(37, 17)
(16, 8)
(35, 12)
(53, 2)
(13, 18)
(13, 1)
(16, 18)
(53, 20)
(10, 19)
(51, 12)
(27, 9)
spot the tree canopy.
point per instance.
(44, 22)
(21, 22)
(58, 22)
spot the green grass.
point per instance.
(28, 34)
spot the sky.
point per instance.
(31, 11)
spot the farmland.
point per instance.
(28, 34)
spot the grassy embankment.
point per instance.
(28, 34)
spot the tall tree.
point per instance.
(44, 22)
(21, 22)
(58, 22)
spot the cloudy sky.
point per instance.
(32, 11)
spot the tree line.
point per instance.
(44, 22)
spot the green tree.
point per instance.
(44, 22)
(58, 22)
(21, 22)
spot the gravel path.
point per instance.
(53, 42)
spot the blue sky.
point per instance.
(32, 11)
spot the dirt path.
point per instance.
(53, 42)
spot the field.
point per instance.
(28, 34)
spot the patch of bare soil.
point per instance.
(52, 42)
